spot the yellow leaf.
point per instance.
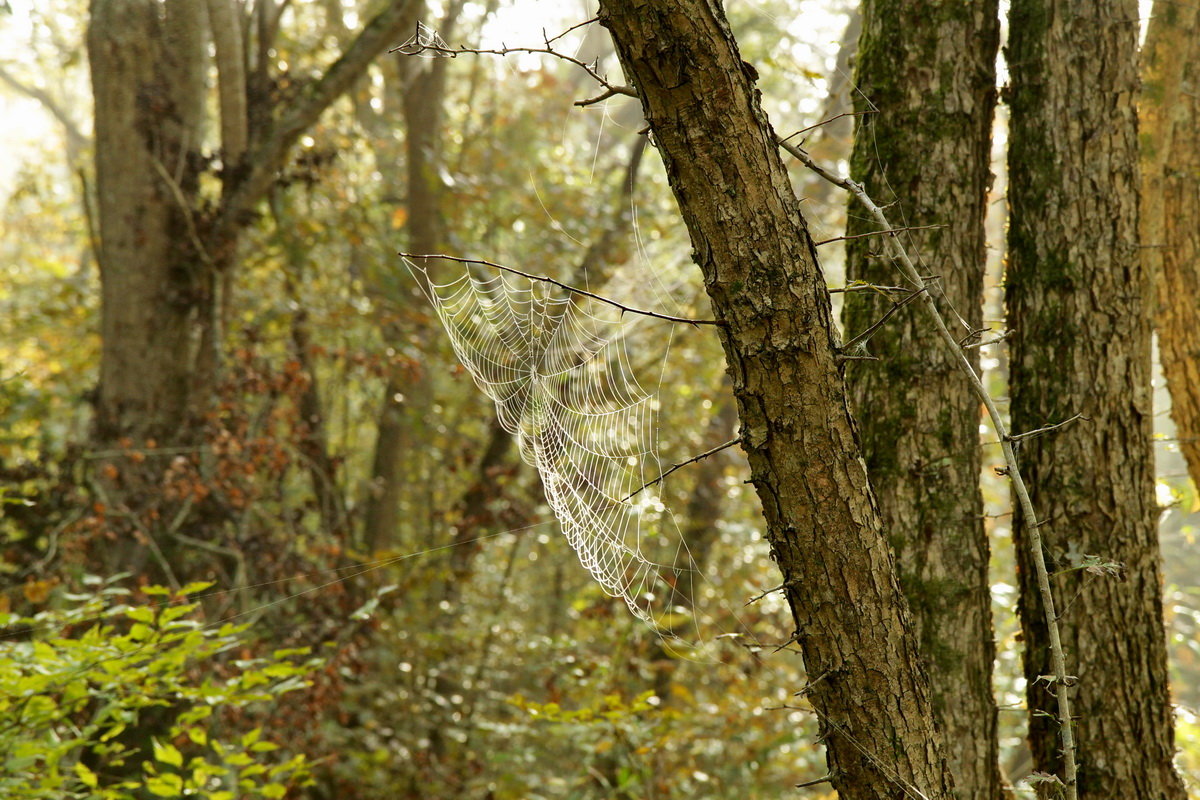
(399, 217)
(37, 591)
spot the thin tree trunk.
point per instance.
(866, 680)
(407, 399)
(1170, 114)
(1078, 299)
(927, 67)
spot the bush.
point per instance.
(103, 699)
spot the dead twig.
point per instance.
(1018, 437)
(862, 339)
(878, 233)
(561, 285)
(682, 464)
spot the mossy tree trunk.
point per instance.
(927, 70)
(1078, 299)
(753, 247)
(1170, 112)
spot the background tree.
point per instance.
(926, 87)
(166, 247)
(1170, 199)
(1079, 308)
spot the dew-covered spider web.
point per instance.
(558, 369)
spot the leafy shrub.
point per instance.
(103, 699)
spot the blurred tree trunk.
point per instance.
(165, 251)
(1170, 142)
(406, 397)
(866, 680)
(1078, 299)
(148, 80)
(928, 68)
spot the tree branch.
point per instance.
(681, 465)
(415, 47)
(76, 140)
(561, 285)
(269, 154)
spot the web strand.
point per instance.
(556, 366)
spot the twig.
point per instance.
(869, 287)
(863, 337)
(1058, 659)
(682, 464)
(878, 233)
(566, 287)
(1017, 437)
(997, 340)
(827, 779)
(193, 232)
(772, 590)
(413, 48)
(574, 27)
(834, 118)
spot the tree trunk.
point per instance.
(1170, 140)
(163, 250)
(407, 399)
(149, 105)
(1078, 295)
(927, 68)
(866, 680)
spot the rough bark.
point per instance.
(1078, 303)
(927, 67)
(866, 680)
(1170, 121)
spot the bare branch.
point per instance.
(1017, 437)
(682, 464)
(878, 233)
(870, 287)
(76, 140)
(574, 27)
(834, 118)
(863, 337)
(566, 287)
(415, 47)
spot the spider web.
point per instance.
(557, 368)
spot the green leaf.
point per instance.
(86, 776)
(167, 754)
(168, 785)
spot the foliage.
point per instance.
(79, 684)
